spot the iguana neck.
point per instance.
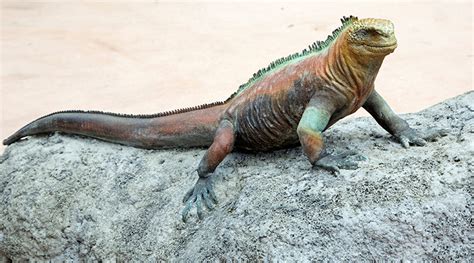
(348, 69)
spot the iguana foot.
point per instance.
(202, 192)
(409, 136)
(346, 160)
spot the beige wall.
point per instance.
(151, 57)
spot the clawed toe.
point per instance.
(328, 167)
(346, 160)
(188, 195)
(207, 201)
(409, 137)
(349, 165)
(354, 155)
(347, 153)
(201, 193)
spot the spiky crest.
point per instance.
(313, 48)
(142, 116)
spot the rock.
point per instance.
(73, 198)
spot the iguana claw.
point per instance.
(343, 160)
(410, 136)
(202, 192)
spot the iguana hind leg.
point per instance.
(203, 192)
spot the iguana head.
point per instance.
(371, 37)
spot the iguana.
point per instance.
(290, 102)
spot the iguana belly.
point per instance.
(269, 121)
(264, 125)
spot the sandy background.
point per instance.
(150, 56)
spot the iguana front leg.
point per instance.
(398, 127)
(313, 122)
(203, 192)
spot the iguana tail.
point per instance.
(180, 128)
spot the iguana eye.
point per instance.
(362, 33)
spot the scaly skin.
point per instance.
(292, 101)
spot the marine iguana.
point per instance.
(290, 102)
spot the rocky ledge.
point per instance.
(73, 198)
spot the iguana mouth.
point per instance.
(382, 46)
(381, 49)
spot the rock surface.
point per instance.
(71, 198)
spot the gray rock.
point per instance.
(71, 198)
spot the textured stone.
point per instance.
(70, 198)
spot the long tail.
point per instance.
(180, 128)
